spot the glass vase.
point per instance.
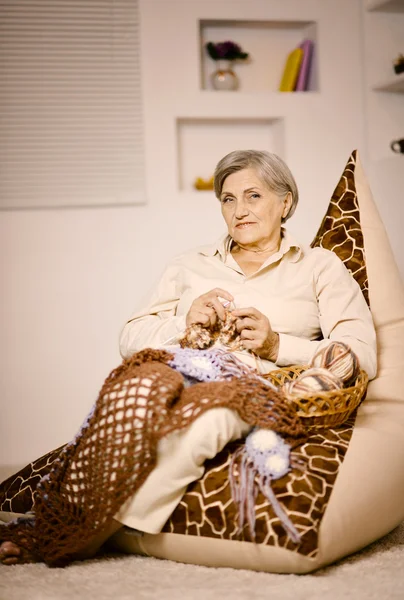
(224, 78)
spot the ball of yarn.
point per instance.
(313, 380)
(338, 358)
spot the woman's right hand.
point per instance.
(206, 309)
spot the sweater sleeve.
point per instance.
(157, 323)
(344, 316)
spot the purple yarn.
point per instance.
(196, 365)
(208, 365)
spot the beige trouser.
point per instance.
(180, 460)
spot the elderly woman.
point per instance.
(288, 302)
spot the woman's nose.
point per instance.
(241, 209)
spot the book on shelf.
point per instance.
(297, 68)
(291, 70)
(304, 72)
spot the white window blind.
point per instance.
(71, 131)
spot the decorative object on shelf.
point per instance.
(203, 184)
(225, 53)
(398, 64)
(295, 77)
(397, 146)
(291, 70)
(224, 78)
(302, 83)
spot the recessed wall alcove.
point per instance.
(268, 44)
(202, 142)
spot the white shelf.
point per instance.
(386, 5)
(394, 84)
(238, 104)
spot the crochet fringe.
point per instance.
(245, 488)
(115, 450)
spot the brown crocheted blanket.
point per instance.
(140, 402)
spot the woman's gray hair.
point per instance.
(273, 171)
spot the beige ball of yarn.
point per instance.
(338, 358)
(311, 381)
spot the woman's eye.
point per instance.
(226, 200)
(254, 196)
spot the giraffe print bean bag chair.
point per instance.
(345, 497)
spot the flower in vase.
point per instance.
(225, 51)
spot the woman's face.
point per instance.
(252, 212)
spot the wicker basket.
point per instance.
(322, 409)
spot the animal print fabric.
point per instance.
(207, 508)
(17, 492)
(340, 230)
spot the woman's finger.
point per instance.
(212, 307)
(211, 299)
(208, 305)
(249, 312)
(219, 293)
(205, 316)
(216, 296)
(198, 317)
(219, 308)
(212, 315)
(252, 334)
(247, 323)
(250, 345)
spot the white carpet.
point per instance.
(375, 573)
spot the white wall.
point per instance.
(72, 277)
(384, 119)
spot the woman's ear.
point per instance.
(287, 204)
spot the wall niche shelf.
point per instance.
(395, 84)
(268, 44)
(386, 5)
(202, 142)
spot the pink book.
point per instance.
(304, 72)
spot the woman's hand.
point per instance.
(206, 309)
(256, 333)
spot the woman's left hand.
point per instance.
(256, 333)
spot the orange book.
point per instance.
(291, 70)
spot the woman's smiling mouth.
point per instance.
(244, 225)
